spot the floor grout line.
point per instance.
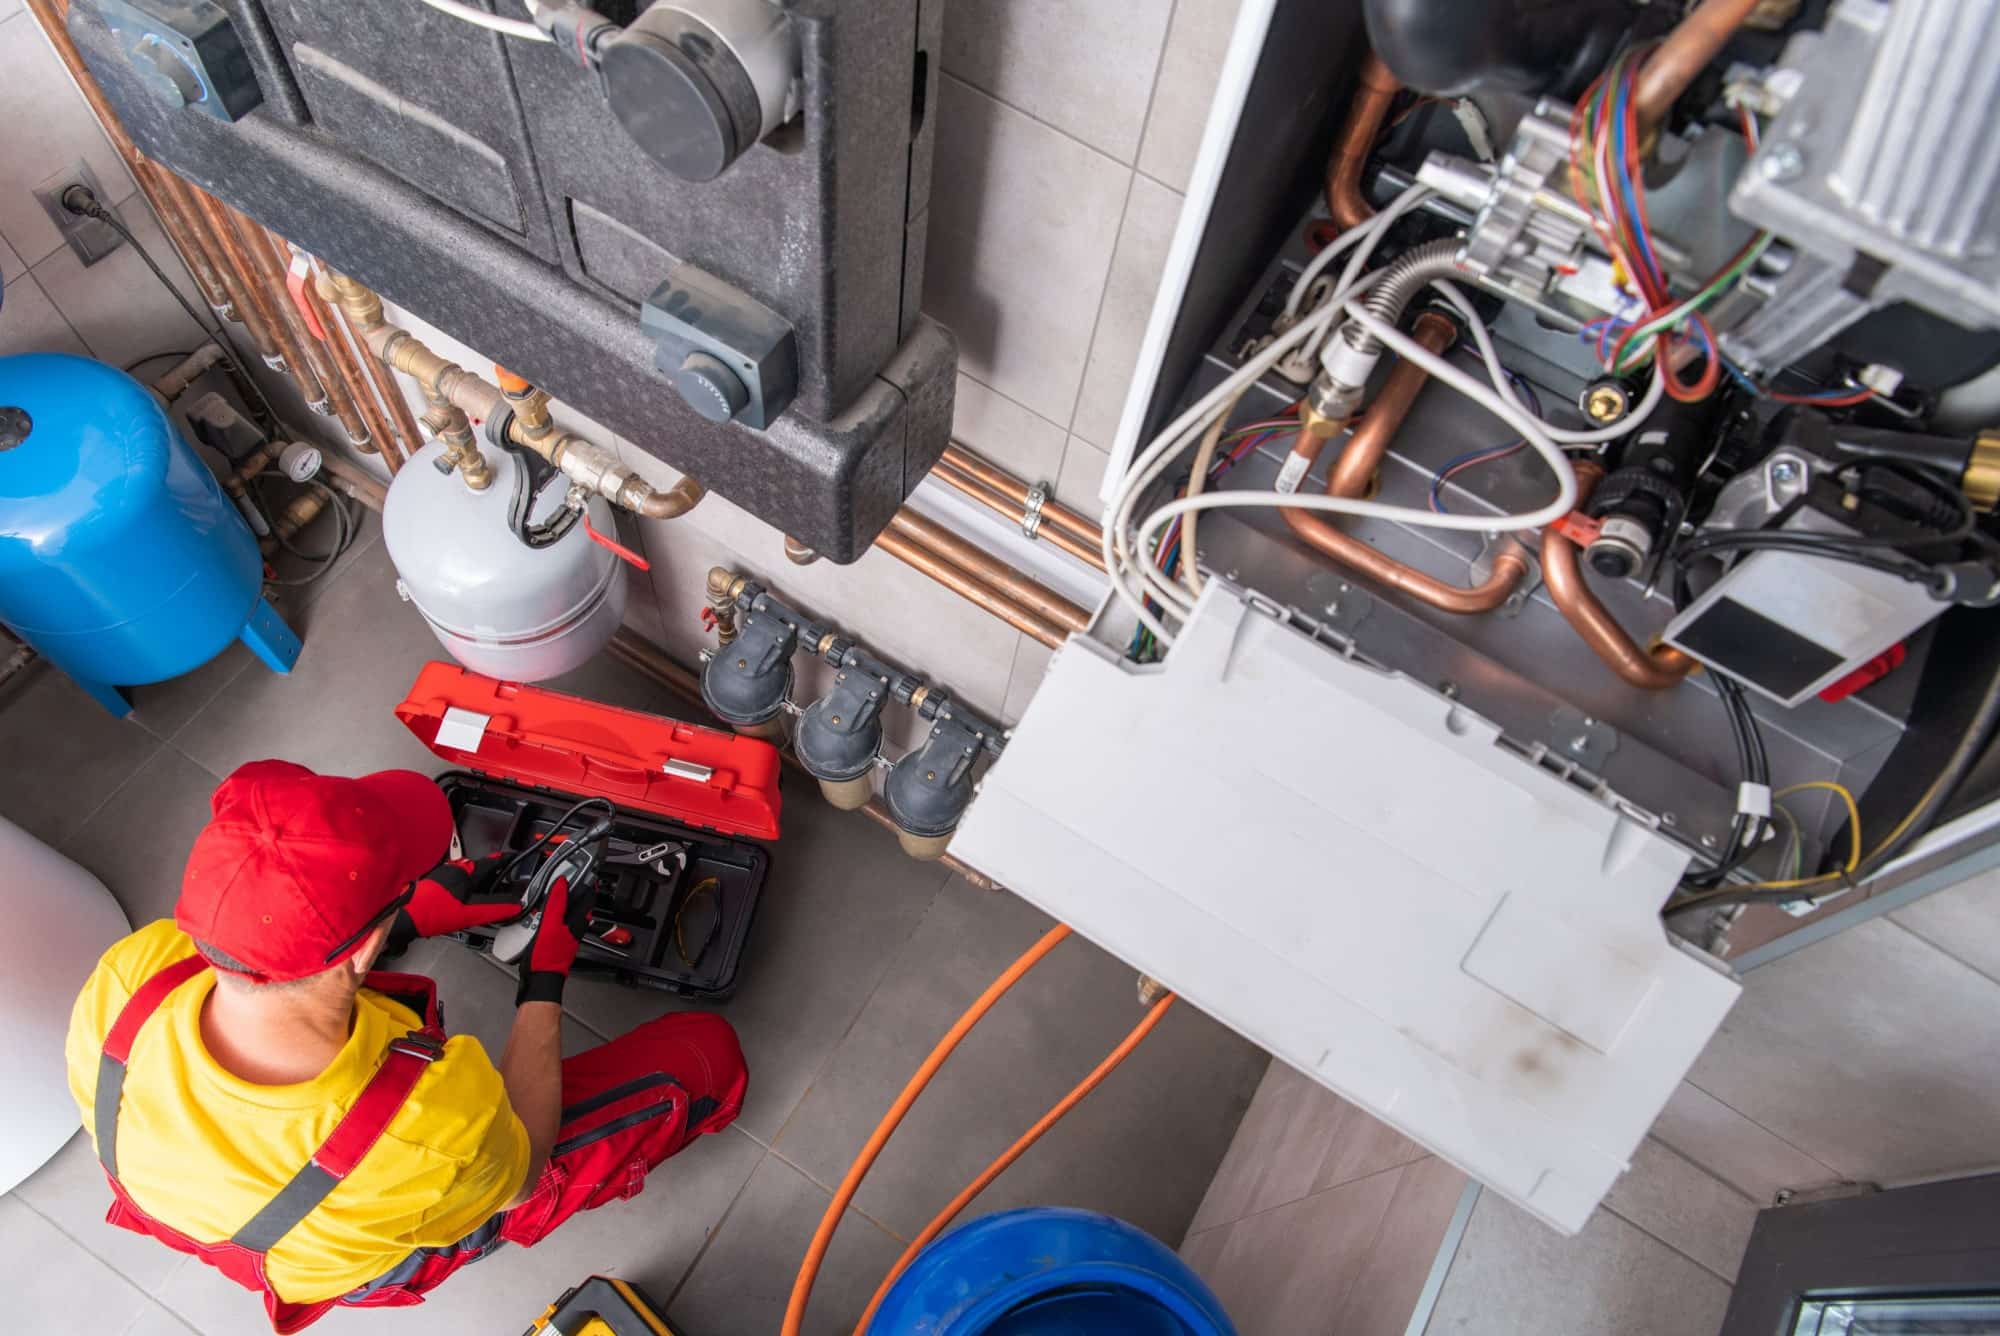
(829, 1189)
(812, 1078)
(1701, 1168)
(1682, 1253)
(99, 1257)
(708, 1241)
(1937, 946)
(1781, 1138)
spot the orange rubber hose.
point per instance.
(795, 1311)
(1011, 1154)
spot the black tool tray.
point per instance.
(683, 942)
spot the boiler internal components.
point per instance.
(1866, 169)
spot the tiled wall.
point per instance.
(114, 310)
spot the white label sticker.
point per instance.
(461, 730)
(1293, 473)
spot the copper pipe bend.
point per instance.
(1675, 62)
(1655, 669)
(1357, 464)
(1377, 90)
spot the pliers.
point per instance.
(668, 858)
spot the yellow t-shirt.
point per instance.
(203, 1150)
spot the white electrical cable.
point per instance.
(479, 18)
(1117, 550)
(1501, 406)
(1656, 389)
(1401, 205)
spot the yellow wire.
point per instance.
(1853, 836)
(1853, 814)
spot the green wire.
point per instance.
(1676, 316)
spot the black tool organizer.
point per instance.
(664, 914)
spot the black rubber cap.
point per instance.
(711, 388)
(15, 424)
(672, 109)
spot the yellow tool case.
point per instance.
(603, 1306)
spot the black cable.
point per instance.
(80, 200)
(1815, 545)
(138, 362)
(610, 813)
(345, 532)
(1971, 744)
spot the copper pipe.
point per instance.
(356, 481)
(1054, 513)
(410, 436)
(347, 369)
(235, 283)
(1688, 49)
(1655, 669)
(1089, 552)
(1372, 99)
(1355, 470)
(266, 269)
(202, 265)
(969, 588)
(254, 296)
(991, 569)
(1370, 440)
(645, 657)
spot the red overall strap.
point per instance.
(361, 1127)
(138, 1009)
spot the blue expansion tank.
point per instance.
(1049, 1271)
(121, 561)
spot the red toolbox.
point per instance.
(527, 754)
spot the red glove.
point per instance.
(454, 896)
(565, 919)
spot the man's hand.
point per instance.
(454, 896)
(565, 919)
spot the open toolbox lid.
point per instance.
(687, 773)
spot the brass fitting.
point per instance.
(448, 423)
(362, 307)
(723, 587)
(1981, 480)
(1605, 404)
(798, 553)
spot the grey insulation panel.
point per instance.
(483, 185)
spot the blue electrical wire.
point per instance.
(1625, 186)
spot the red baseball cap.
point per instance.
(295, 868)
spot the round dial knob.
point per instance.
(712, 389)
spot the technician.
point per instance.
(263, 1099)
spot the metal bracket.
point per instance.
(1031, 509)
(1531, 579)
(1576, 736)
(1345, 604)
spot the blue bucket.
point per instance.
(1049, 1271)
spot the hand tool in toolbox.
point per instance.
(677, 862)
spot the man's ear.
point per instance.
(363, 960)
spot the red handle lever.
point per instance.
(613, 546)
(296, 279)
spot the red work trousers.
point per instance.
(627, 1106)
